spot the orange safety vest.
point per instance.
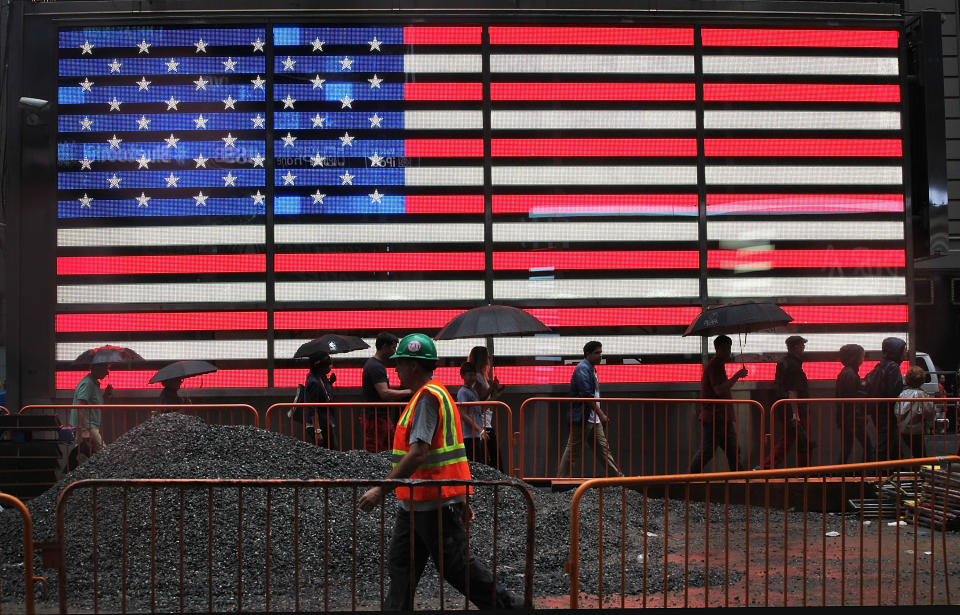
(447, 457)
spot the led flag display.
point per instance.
(383, 164)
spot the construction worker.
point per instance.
(428, 444)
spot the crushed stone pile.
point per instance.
(321, 548)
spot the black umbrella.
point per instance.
(108, 354)
(183, 369)
(743, 317)
(491, 320)
(331, 343)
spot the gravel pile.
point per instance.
(333, 553)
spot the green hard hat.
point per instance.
(416, 346)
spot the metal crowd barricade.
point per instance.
(8, 501)
(341, 426)
(826, 431)
(664, 552)
(645, 436)
(181, 545)
(117, 419)
(500, 418)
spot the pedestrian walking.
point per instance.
(718, 425)
(85, 414)
(915, 418)
(377, 423)
(791, 383)
(474, 435)
(320, 427)
(586, 418)
(422, 450)
(488, 388)
(885, 380)
(851, 416)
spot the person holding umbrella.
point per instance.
(87, 420)
(717, 427)
(487, 388)
(172, 377)
(318, 388)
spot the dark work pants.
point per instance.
(425, 544)
(787, 435)
(714, 434)
(888, 433)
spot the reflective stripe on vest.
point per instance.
(446, 458)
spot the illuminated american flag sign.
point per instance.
(627, 178)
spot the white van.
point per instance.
(932, 384)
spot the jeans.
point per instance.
(484, 592)
(581, 433)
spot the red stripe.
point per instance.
(593, 147)
(444, 204)
(801, 92)
(743, 37)
(586, 35)
(346, 320)
(846, 314)
(162, 321)
(139, 379)
(173, 263)
(788, 203)
(441, 35)
(621, 259)
(394, 261)
(593, 91)
(443, 148)
(803, 147)
(442, 91)
(788, 259)
(557, 204)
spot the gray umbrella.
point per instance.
(107, 354)
(183, 369)
(491, 320)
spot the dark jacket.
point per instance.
(791, 377)
(318, 389)
(885, 379)
(849, 383)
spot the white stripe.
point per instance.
(818, 175)
(595, 289)
(805, 65)
(374, 233)
(620, 345)
(805, 230)
(172, 292)
(806, 287)
(183, 350)
(442, 63)
(595, 231)
(402, 290)
(589, 63)
(160, 236)
(443, 176)
(439, 120)
(802, 120)
(816, 342)
(607, 119)
(594, 175)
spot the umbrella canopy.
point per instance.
(183, 369)
(331, 343)
(108, 354)
(491, 320)
(743, 317)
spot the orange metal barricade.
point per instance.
(674, 552)
(117, 419)
(8, 501)
(825, 431)
(345, 424)
(645, 436)
(169, 555)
